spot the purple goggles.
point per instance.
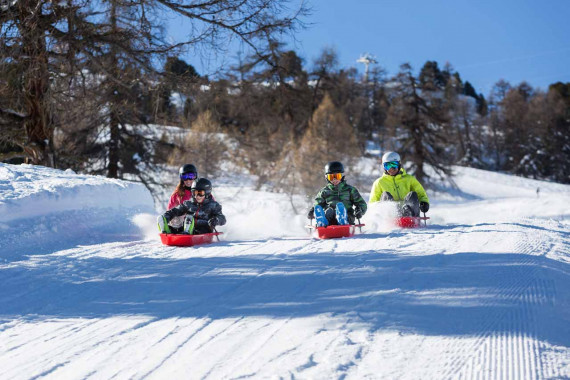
(187, 176)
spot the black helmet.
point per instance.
(188, 168)
(203, 184)
(334, 167)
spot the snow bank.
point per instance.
(42, 209)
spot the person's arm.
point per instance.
(172, 202)
(375, 192)
(184, 208)
(219, 218)
(320, 199)
(358, 201)
(419, 189)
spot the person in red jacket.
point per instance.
(188, 174)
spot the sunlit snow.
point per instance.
(88, 290)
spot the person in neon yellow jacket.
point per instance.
(397, 185)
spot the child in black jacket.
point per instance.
(202, 212)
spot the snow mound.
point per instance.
(44, 209)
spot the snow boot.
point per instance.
(413, 203)
(188, 224)
(320, 218)
(163, 225)
(341, 215)
(407, 211)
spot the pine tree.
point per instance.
(518, 133)
(420, 122)
(557, 138)
(468, 90)
(496, 141)
(431, 77)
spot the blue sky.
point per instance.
(483, 40)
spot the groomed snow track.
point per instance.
(371, 306)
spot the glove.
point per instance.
(213, 222)
(424, 207)
(357, 213)
(311, 213)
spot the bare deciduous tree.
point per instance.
(330, 137)
(106, 38)
(202, 146)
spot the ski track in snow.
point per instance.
(463, 299)
(343, 342)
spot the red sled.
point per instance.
(332, 232)
(411, 221)
(183, 240)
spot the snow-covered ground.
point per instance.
(88, 291)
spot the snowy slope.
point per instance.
(483, 292)
(43, 209)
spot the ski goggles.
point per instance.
(187, 176)
(332, 176)
(391, 165)
(199, 193)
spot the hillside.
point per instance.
(88, 291)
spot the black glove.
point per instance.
(424, 207)
(357, 213)
(311, 213)
(213, 222)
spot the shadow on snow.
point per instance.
(460, 294)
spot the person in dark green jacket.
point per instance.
(397, 185)
(338, 191)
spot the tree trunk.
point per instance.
(38, 123)
(114, 119)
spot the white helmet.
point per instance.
(390, 157)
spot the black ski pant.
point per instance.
(201, 226)
(411, 199)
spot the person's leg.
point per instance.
(412, 201)
(320, 218)
(341, 214)
(189, 224)
(330, 214)
(163, 224)
(201, 227)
